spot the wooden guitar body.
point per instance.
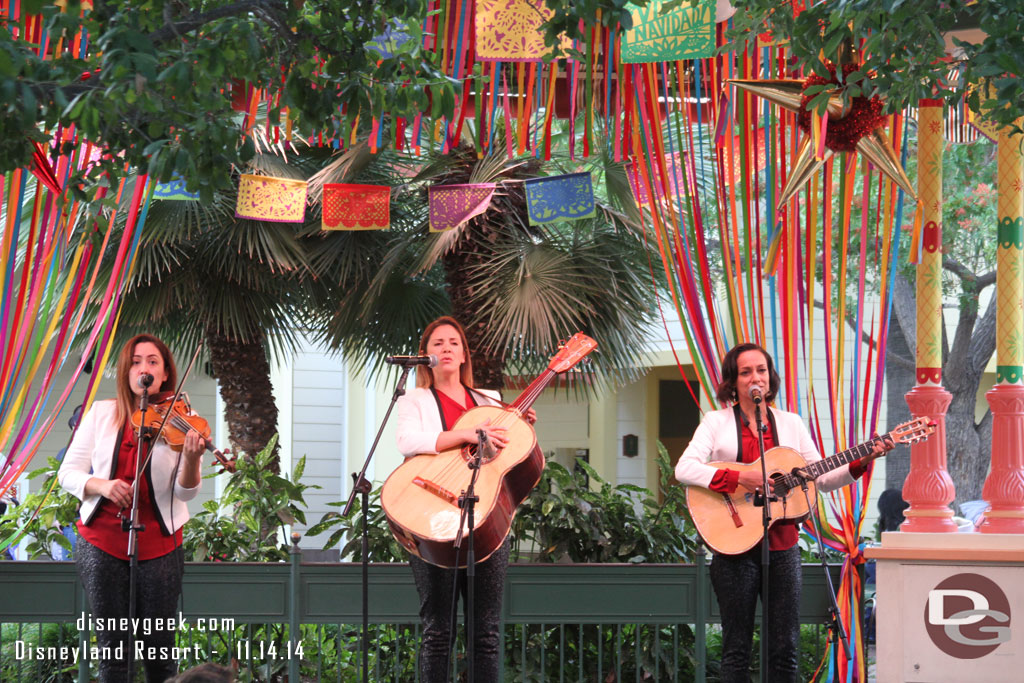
(421, 496)
(731, 523)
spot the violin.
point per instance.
(180, 421)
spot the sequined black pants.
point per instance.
(737, 583)
(158, 588)
(438, 610)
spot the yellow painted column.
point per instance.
(603, 439)
(1004, 487)
(929, 488)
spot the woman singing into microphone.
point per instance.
(425, 417)
(99, 469)
(730, 435)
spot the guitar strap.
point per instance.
(741, 422)
(485, 396)
(440, 410)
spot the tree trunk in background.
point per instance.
(968, 442)
(899, 379)
(973, 345)
(242, 370)
(488, 367)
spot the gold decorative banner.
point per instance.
(356, 207)
(453, 205)
(264, 198)
(685, 32)
(984, 126)
(988, 128)
(510, 30)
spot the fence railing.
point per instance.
(549, 609)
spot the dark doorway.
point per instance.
(678, 414)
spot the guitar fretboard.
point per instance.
(530, 394)
(843, 457)
(791, 481)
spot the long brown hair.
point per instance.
(126, 399)
(425, 375)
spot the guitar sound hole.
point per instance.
(781, 487)
(469, 452)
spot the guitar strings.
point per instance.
(453, 471)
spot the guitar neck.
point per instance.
(532, 392)
(843, 457)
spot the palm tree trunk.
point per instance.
(243, 373)
(488, 364)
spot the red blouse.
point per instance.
(104, 531)
(451, 411)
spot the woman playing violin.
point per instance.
(99, 468)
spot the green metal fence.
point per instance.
(593, 619)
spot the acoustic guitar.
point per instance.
(421, 497)
(730, 523)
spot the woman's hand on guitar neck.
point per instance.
(882, 445)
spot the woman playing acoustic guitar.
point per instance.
(729, 435)
(425, 415)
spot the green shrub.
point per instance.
(41, 516)
(576, 516)
(245, 524)
(41, 669)
(580, 517)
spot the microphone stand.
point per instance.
(467, 501)
(764, 499)
(361, 486)
(131, 525)
(836, 627)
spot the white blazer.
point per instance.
(716, 441)
(92, 454)
(419, 419)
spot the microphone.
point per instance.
(409, 361)
(755, 394)
(488, 451)
(145, 379)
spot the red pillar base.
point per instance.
(1004, 487)
(929, 488)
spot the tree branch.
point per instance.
(905, 308)
(983, 342)
(268, 12)
(198, 19)
(964, 273)
(891, 357)
(984, 430)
